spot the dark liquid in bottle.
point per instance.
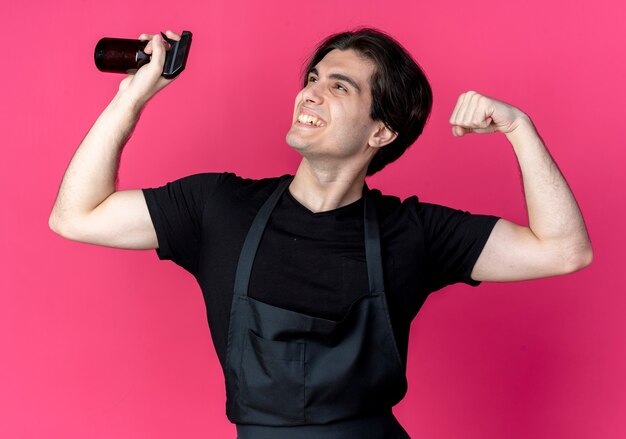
(119, 55)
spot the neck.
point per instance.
(321, 190)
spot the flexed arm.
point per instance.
(556, 241)
(88, 208)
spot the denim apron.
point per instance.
(291, 375)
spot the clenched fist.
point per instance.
(476, 113)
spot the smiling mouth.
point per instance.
(305, 119)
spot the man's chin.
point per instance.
(296, 142)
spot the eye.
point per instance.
(340, 87)
(311, 79)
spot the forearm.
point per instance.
(91, 175)
(553, 214)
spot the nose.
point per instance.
(312, 93)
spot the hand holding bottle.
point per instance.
(142, 84)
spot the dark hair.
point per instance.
(401, 95)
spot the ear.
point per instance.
(382, 136)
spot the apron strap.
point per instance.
(373, 255)
(253, 239)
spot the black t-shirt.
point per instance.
(313, 263)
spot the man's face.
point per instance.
(331, 119)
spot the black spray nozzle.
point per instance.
(176, 57)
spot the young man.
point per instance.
(311, 281)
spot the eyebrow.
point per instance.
(338, 76)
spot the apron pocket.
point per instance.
(272, 382)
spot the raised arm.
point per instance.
(556, 241)
(88, 208)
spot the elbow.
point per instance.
(60, 225)
(586, 258)
(570, 257)
(57, 225)
(583, 259)
(53, 223)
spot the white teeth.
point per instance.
(309, 120)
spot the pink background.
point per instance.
(104, 343)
